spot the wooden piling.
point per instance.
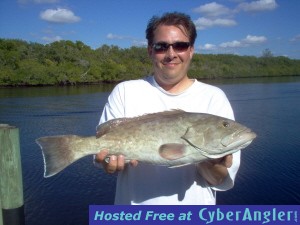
(11, 185)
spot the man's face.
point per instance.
(170, 66)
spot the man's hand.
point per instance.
(112, 163)
(215, 171)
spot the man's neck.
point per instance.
(177, 87)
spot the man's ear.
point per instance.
(192, 49)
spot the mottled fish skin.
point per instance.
(171, 138)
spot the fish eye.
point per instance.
(225, 124)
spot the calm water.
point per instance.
(269, 173)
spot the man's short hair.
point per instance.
(180, 20)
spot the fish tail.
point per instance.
(58, 152)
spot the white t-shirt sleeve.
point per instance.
(114, 108)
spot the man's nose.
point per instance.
(170, 53)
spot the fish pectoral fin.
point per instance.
(172, 151)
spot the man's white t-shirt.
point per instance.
(154, 185)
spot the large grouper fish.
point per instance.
(170, 138)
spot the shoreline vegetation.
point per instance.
(65, 63)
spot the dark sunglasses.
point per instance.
(178, 47)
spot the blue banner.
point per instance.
(218, 214)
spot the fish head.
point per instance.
(216, 137)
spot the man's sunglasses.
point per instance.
(162, 47)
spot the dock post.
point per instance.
(11, 185)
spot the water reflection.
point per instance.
(261, 80)
(54, 91)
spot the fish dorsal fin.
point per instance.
(172, 151)
(157, 115)
(109, 125)
(104, 128)
(167, 113)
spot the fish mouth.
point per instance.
(238, 140)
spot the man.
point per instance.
(171, 41)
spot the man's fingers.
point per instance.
(120, 163)
(228, 161)
(134, 163)
(224, 161)
(100, 157)
(112, 165)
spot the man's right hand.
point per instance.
(114, 164)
